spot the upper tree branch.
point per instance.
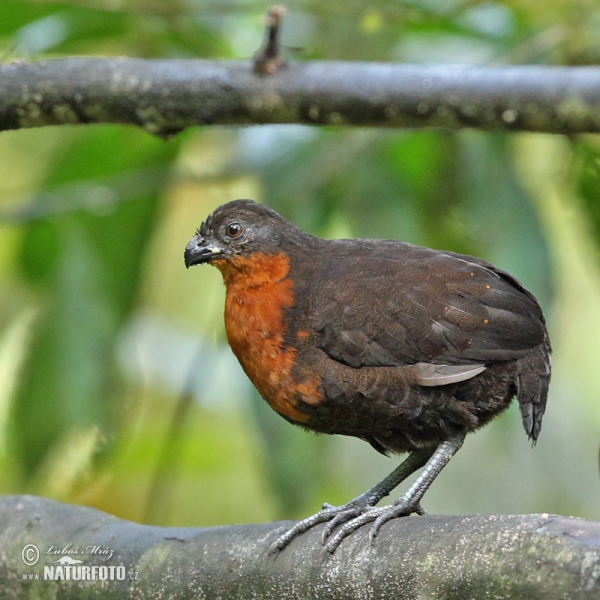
(166, 96)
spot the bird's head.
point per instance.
(236, 232)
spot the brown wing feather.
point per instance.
(393, 304)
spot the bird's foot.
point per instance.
(378, 515)
(350, 516)
(334, 515)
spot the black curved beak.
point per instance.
(199, 251)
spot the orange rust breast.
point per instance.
(258, 292)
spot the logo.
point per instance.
(30, 554)
(67, 561)
(62, 564)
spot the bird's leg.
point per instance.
(336, 515)
(409, 502)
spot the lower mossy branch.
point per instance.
(449, 557)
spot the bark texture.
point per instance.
(166, 96)
(435, 557)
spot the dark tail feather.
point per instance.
(533, 378)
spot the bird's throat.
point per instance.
(258, 293)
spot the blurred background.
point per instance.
(117, 387)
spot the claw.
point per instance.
(328, 530)
(419, 510)
(379, 521)
(283, 540)
(274, 547)
(372, 534)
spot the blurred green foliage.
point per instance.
(103, 334)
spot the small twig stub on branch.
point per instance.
(268, 59)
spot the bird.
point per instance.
(405, 347)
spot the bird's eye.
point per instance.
(234, 230)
